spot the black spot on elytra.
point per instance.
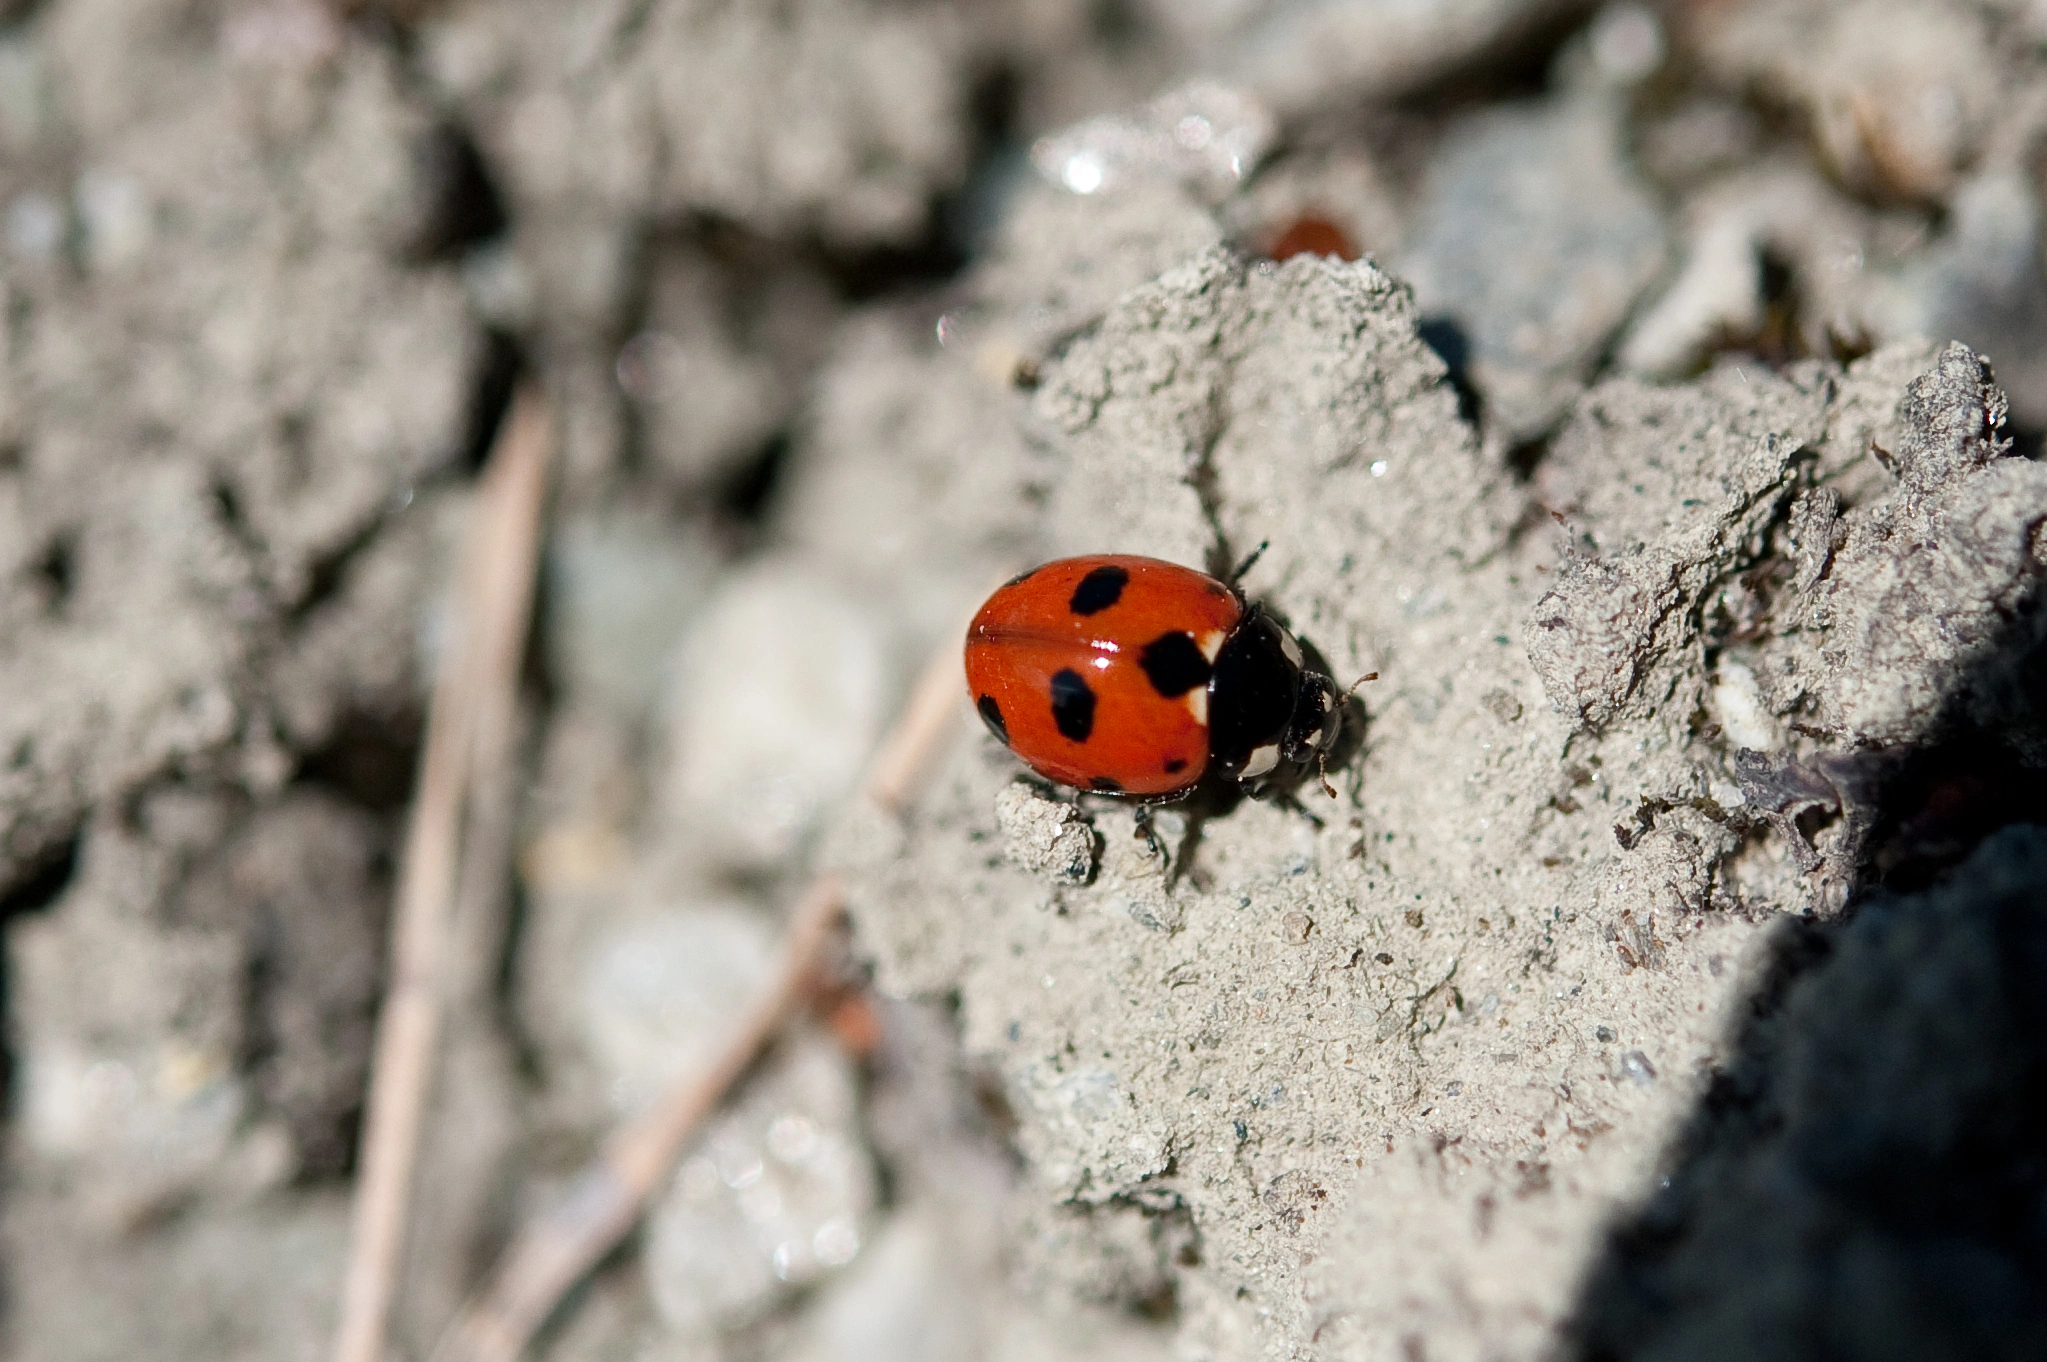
(1073, 705)
(1175, 766)
(991, 715)
(1174, 663)
(1105, 785)
(1099, 590)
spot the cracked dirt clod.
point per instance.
(1899, 94)
(1045, 836)
(227, 392)
(1526, 929)
(1304, 56)
(200, 448)
(1926, 586)
(1662, 525)
(837, 119)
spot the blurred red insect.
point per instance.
(1312, 235)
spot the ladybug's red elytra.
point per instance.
(1132, 676)
(1312, 234)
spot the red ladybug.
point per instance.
(1137, 677)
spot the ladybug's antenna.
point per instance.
(1245, 566)
(1322, 754)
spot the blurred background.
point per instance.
(270, 274)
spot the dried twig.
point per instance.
(604, 1203)
(477, 680)
(927, 717)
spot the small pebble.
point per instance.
(910, 1299)
(1045, 836)
(780, 692)
(660, 992)
(620, 589)
(1636, 1069)
(776, 1195)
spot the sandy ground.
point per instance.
(1663, 979)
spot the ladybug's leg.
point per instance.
(1146, 832)
(1286, 799)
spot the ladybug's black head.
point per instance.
(1271, 718)
(1317, 721)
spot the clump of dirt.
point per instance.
(1481, 987)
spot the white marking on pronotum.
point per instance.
(1291, 648)
(1196, 701)
(1263, 759)
(1211, 644)
(1323, 731)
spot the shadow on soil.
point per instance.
(1867, 1179)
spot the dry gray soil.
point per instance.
(1667, 977)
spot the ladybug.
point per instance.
(1131, 676)
(1312, 234)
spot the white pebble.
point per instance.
(779, 694)
(743, 1224)
(661, 992)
